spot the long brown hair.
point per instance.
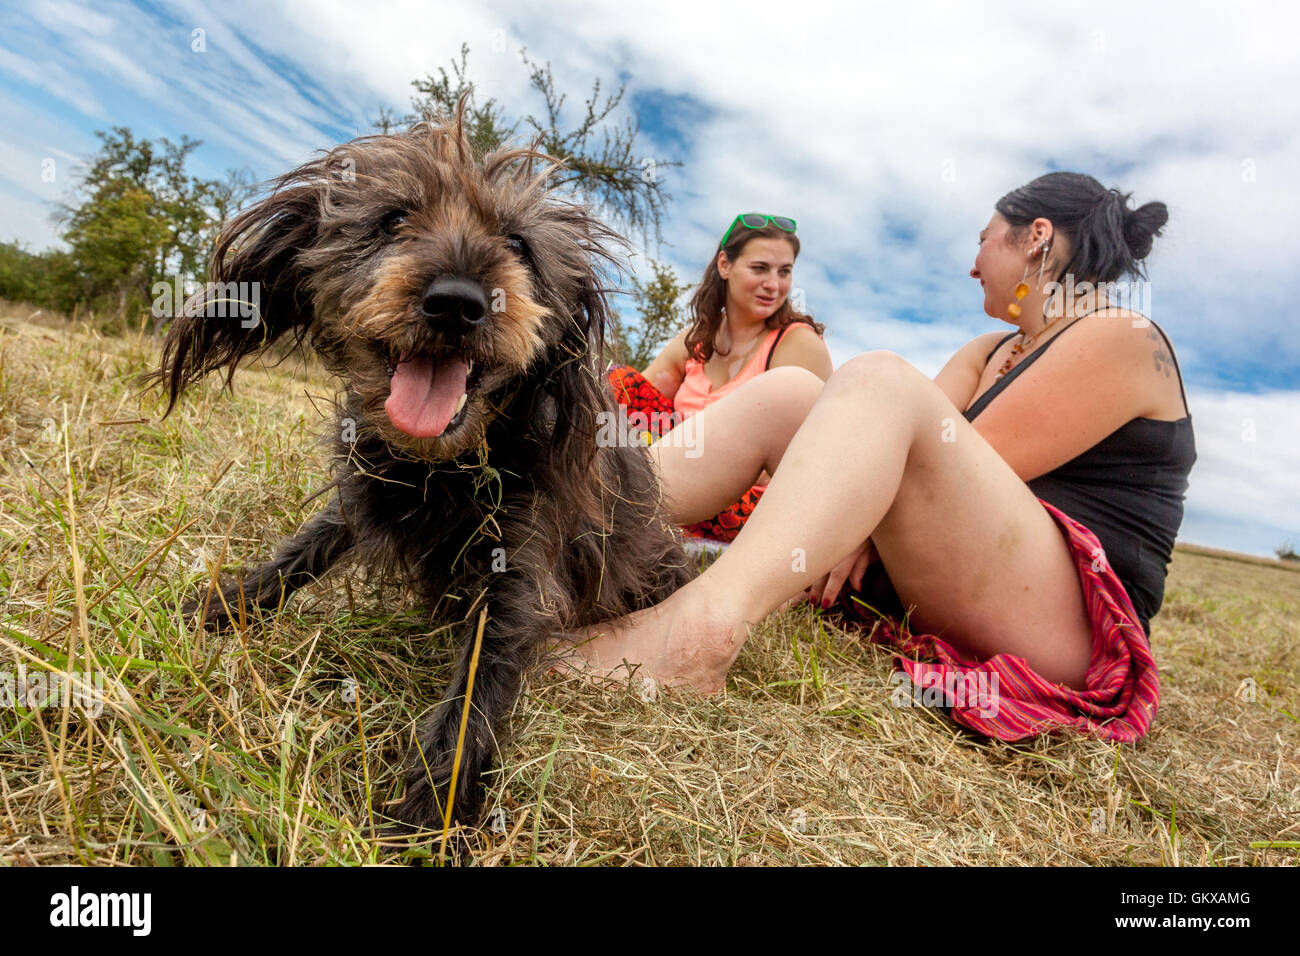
(711, 295)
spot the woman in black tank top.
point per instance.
(1128, 489)
(1031, 550)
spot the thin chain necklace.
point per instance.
(1024, 343)
(749, 354)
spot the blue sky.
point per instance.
(888, 131)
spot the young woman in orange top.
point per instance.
(743, 324)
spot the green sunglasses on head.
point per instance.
(757, 220)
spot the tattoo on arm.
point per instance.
(1160, 356)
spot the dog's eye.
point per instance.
(392, 222)
(519, 247)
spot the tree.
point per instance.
(623, 187)
(485, 123)
(657, 301)
(115, 240)
(46, 279)
(229, 195)
(137, 217)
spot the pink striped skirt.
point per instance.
(1003, 697)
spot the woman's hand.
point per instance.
(851, 568)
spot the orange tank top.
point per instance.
(696, 391)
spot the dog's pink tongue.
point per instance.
(422, 397)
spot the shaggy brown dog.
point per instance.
(459, 305)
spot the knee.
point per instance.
(791, 384)
(867, 363)
(873, 369)
(793, 376)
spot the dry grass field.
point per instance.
(246, 749)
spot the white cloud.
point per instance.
(1248, 460)
(54, 78)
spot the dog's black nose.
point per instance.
(456, 303)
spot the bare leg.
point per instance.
(712, 458)
(963, 537)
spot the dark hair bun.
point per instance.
(1107, 239)
(1142, 225)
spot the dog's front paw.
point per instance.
(422, 804)
(418, 824)
(211, 609)
(399, 842)
(428, 781)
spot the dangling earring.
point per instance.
(1022, 289)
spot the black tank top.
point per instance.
(1127, 489)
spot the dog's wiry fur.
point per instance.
(582, 535)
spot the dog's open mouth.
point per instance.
(429, 392)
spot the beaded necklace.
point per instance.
(1024, 343)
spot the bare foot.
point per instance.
(682, 642)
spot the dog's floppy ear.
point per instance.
(254, 295)
(579, 393)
